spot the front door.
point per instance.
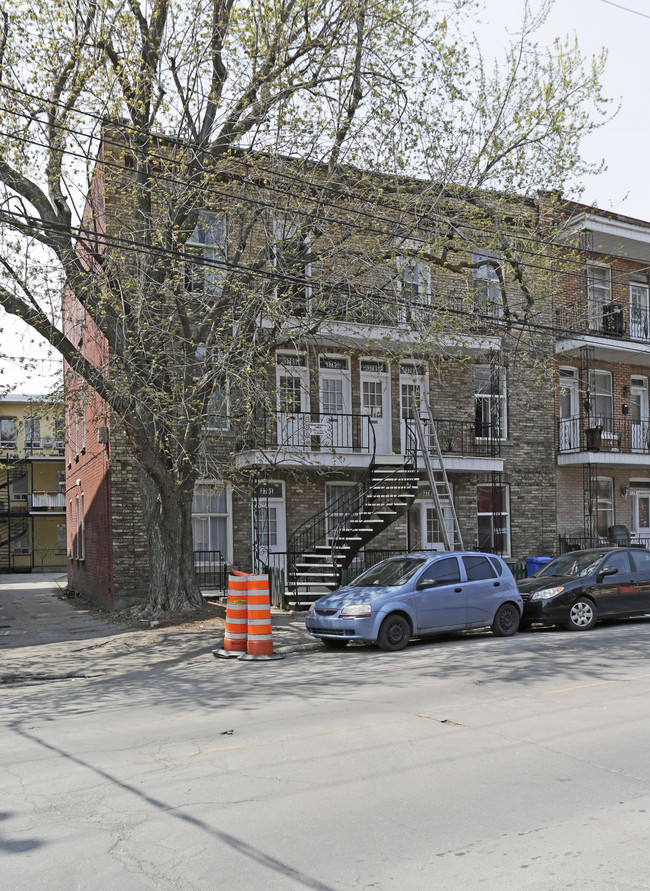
(269, 526)
(641, 515)
(412, 392)
(375, 405)
(429, 535)
(569, 412)
(292, 385)
(639, 414)
(335, 402)
(639, 307)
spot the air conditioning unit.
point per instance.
(59, 444)
(47, 442)
(613, 322)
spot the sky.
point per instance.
(624, 187)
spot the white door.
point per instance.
(432, 536)
(269, 525)
(641, 515)
(412, 391)
(375, 405)
(639, 308)
(639, 414)
(569, 411)
(292, 384)
(335, 402)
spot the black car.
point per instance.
(579, 588)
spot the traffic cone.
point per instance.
(235, 637)
(260, 636)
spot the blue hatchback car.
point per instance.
(419, 594)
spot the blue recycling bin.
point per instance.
(535, 563)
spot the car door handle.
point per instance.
(497, 584)
(457, 590)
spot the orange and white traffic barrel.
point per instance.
(236, 634)
(260, 633)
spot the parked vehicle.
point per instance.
(419, 594)
(578, 588)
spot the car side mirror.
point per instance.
(608, 570)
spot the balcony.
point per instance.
(603, 440)
(618, 333)
(46, 501)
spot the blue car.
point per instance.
(419, 594)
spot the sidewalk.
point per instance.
(45, 636)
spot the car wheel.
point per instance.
(394, 633)
(334, 643)
(582, 615)
(506, 620)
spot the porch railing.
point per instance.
(311, 431)
(46, 501)
(608, 320)
(211, 570)
(463, 438)
(603, 433)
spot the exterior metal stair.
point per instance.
(326, 545)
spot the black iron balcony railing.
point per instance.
(603, 433)
(322, 432)
(607, 320)
(312, 431)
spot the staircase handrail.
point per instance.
(315, 529)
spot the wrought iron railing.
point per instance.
(46, 501)
(603, 433)
(311, 431)
(211, 570)
(608, 320)
(463, 438)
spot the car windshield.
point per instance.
(575, 564)
(390, 572)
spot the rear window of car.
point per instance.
(641, 560)
(478, 568)
(497, 565)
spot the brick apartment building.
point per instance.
(326, 472)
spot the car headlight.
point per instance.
(355, 611)
(546, 593)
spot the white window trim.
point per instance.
(506, 488)
(503, 397)
(219, 484)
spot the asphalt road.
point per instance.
(468, 762)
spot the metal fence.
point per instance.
(211, 570)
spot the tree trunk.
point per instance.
(168, 524)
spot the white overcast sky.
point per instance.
(623, 28)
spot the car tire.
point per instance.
(582, 615)
(394, 634)
(506, 620)
(334, 643)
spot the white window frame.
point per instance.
(33, 441)
(488, 398)
(285, 230)
(5, 441)
(208, 241)
(599, 293)
(608, 500)
(639, 308)
(218, 485)
(486, 284)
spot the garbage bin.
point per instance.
(535, 563)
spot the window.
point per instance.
(217, 410)
(21, 544)
(60, 476)
(641, 561)
(7, 433)
(210, 518)
(600, 400)
(446, 569)
(486, 284)
(493, 515)
(59, 433)
(60, 538)
(19, 488)
(414, 286)
(490, 402)
(604, 505)
(618, 560)
(32, 433)
(478, 568)
(205, 268)
(599, 294)
(291, 263)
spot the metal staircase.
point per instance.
(12, 526)
(437, 476)
(321, 549)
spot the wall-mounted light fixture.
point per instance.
(625, 408)
(626, 390)
(625, 491)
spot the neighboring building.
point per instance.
(329, 461)
(32, 485)
(603, 357)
